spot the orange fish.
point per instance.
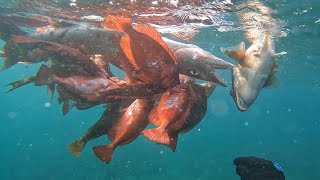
(147, 53)
(170, 115)
(126, 129)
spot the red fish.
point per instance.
(126, 129)
(111, 114)
(147, 53)
(170, 114)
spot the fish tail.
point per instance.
(22, 82)
(76, 147)
(8, 29)
(104, 152)
(43, 77)
(13, 53)
(119, 23)
(157, 135)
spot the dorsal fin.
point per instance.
(119, 23)
(125, 45)
(153, 33)
(237, 52)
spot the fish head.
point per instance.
(199, 64)
(243, 91)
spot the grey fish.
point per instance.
(255, 71)
(192, 60)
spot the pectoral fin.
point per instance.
(272, 82)
(236, 52)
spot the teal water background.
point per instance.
(283, 125)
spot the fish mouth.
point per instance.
(215, 78)
(238, 99)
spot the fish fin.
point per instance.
(51, 90)
(67, 106)
(237, 52)
(83, 106)
(119, 23)
(173, 141)
(272, 82)
(8, 29)
(104, 152)
(157, 135)
(22, 82)
(208, 87)
(153, 117)
(76, 147)
(154, 34)
(43, 76)
(125, 44)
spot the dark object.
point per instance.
(252, 168)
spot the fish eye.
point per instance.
(193, 72)
(169, 101)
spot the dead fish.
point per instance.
(197, 63)
(256, 69)
(112, 113)
(126, 129)
(148, 54)
(170, 114)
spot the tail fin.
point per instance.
(7, 29)
(104, 152)
(157, 135)
(117, 23)
(76, 147)
(22, 82)
(43, 77)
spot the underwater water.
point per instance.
(283, 125)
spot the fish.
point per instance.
(30, 50)
(76, 84)
(126, 129)
(111, 114)
(170, 114)
(197, 63)
(148, 54)
(199, 107)
(256, 70)
(106, 43)
(138, 90)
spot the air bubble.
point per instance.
(47, 104)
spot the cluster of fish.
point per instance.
(159, 87)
